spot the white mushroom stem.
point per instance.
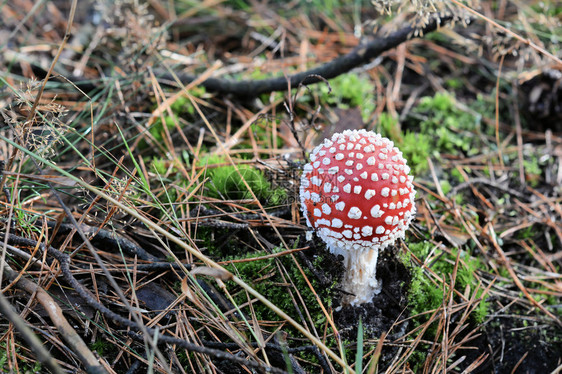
(360, 276)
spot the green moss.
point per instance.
(485, 106)
(166, 174)
(159, 165)
(101, 347)
(438, 37)
(442, 267)
(157, 129)
(390, 128)
(445, 186)
(450, 128)
(350, 91)
(440, 103)
(257, 74)
(180, 108)
(454, 83)
(532, 170)
(435, 126)
(264, 277)
(227, 182)
(425, 296)
(414, 146)
(183, 357)
(457, 175)
(219, 244)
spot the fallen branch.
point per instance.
(361, 55)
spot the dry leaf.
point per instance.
(212, 272)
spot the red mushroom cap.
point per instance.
(356, 191)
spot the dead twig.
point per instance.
(361, 55)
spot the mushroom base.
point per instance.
(360, 277)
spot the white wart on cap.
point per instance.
(357, 194)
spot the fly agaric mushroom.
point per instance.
(357, 194)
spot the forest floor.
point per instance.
(151, 155)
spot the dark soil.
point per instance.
(514, 348)
(384, 313)
(386, 308)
